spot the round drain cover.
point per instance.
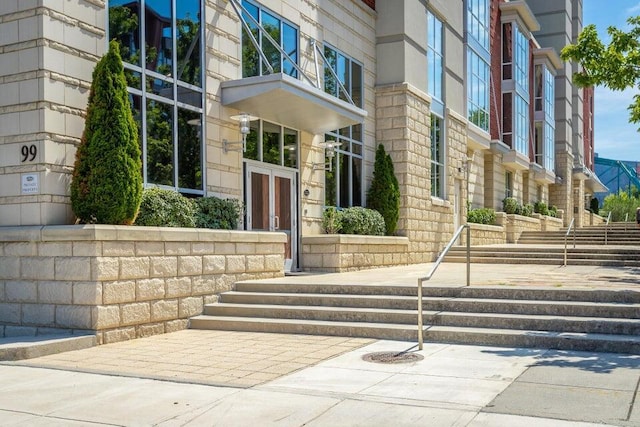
(392, 357)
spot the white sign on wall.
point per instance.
(30, 183)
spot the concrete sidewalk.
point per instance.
(454, 385)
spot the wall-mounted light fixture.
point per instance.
(245, 120)
(330, 148)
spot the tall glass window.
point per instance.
(478, 58)
(437, 157)
(434, 58)
(521, 59)
(282, 32)
(163, 68)
(544, 110)
(478, 21)
(344, 185)
(271, 143)
(521, 125)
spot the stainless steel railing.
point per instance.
(566, 235)
(433, 270)
(606, 228)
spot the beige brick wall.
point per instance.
(514, 225)
(47, 54)
(341, 252)
(123, 282)
(482, 234)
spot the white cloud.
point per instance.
(633, 9)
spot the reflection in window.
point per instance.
(434, 57)
(343, 185)
(159, 143)
(275, 144)
(477, 90)
(283, 33)
(437, 157)
(172, 143)
(271, 143)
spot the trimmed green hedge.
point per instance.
(168, 208)
(482, 216)
(354, 220)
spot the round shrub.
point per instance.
(165, 208)
(106, 184)
(482, 216)
(511, 206)
(359, 220)
(216, 213)
(553, 211)
(541, 208)
(527, 210)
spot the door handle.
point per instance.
(276, 220)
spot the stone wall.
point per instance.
(123, 282)
(548, 223)
(515, 224)
(482, 234)
(344, 252)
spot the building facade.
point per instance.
(282, 104)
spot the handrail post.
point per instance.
(457, 235)
(566, 235)
(468, 254)
(420, 337)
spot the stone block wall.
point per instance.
(514, 225)
(123, 282)
(482, 234)
(342, 252)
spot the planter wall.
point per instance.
(123, 282)
(345, 252)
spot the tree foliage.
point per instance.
(622, 206)
(615, 66)
(384, 193)
(106, 185)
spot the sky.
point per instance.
(615, 137)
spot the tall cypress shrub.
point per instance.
(384, 193)
(106, 185)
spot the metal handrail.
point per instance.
(606, 228)
(626, 220)
(565, 239)
(433, 270)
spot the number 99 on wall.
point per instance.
(28, 153)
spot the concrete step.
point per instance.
(323, 288)
(535, 293)
(596, 325)
(388, 331)
(327, 300)
(538, 339)
(28, 347)
(338, 314)
(552, 261)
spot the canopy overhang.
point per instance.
(288, 101)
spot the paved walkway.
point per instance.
(217, 378)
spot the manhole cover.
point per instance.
(392, 357)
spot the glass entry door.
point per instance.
(271, 205)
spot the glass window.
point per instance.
(478, 22)
(172, 144)
(477, 90)
(521, 125)
(271, 143)
(437, 157)
(343, 185)
(434, 57)
(549, 147)
(521, 59)
(508, 184)
(282, 33)
(538, 85)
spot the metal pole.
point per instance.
(420, 338)
(468, 254)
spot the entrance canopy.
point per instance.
(288, 101)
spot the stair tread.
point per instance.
(318, 308)
(367, 325)
(517, 332)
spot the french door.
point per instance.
(271, 205)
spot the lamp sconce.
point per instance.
(330, 148)
(245, 120)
